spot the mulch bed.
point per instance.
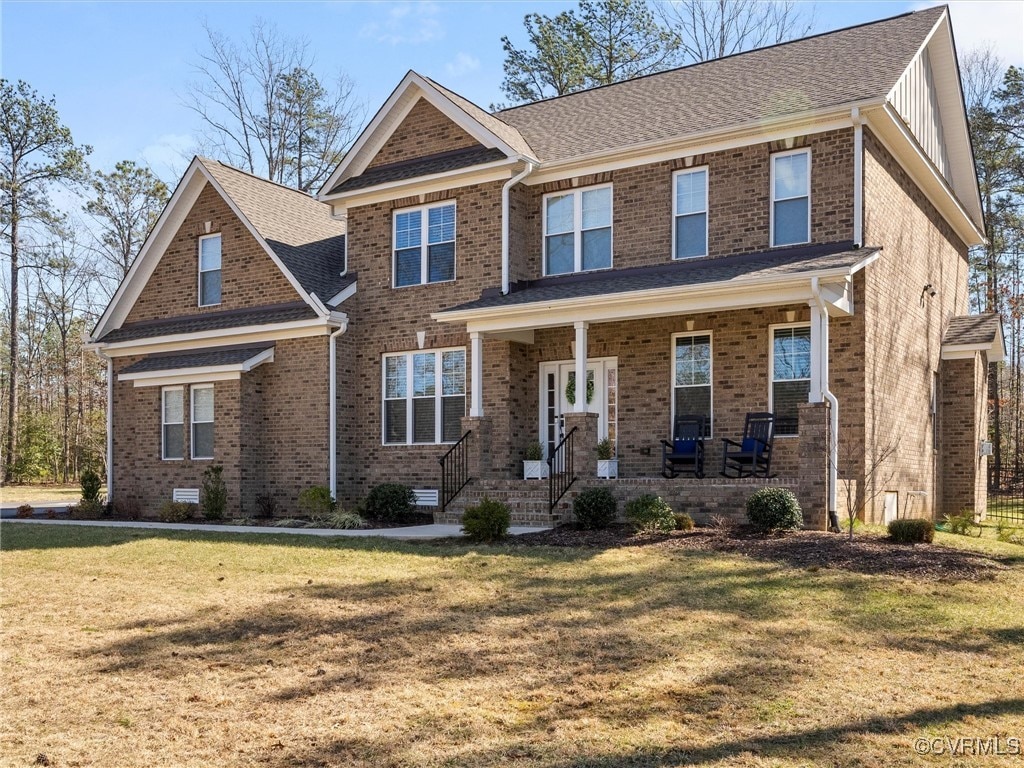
(808, 550)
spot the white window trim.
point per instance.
(438, 396)
(773, 200)
(676, 214)
(199, 262)
(577, 228)
(672, 380)
(771, 368)
(193, 422)
(164, 424)
(424, 245)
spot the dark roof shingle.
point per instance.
(972, 329)
(681, 274)
(423, 166)
(201, 359)
(211, 321)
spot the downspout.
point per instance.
(858, 177)
(506, 188)
(833, 443)
(332, 406)
(110, 422)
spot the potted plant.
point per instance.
(534, 466)
(607, 465)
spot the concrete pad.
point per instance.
(413, 532)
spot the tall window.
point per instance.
(791, 197)
(202, 421)
(424, 243)
(791, 375)
(424, 396)
(209, 270)
(691, 213)
(172, 409)
(692, 377)
(578, 230)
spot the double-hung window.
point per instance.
(690, 230)
(791, 375)
(202, 421)
(209, 270)
(424, 245)
(791, 197)
(691, 377)
(172, 409)
(424, 396)
(578, 230)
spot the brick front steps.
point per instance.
(702, 499)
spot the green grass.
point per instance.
(122, 647)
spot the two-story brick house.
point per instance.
(783, 230)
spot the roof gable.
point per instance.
(296, 232)
(488, 130)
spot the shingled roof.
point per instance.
(298, 228)
(421, 166)
(972, 330)
(777, 263)
(831, 69)
(203, 359)
(211, 321)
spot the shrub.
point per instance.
(266, 505)
(91, 483)
(25, 510)
(684, 522)
(534, 452)
(488, 521)
(774, 509)
(594, 508)
(316, 501)
(338, 519)
(177, 511)
(905, 531)
(88, 510)
(961, 524)
(214, 494)
(391, 502)
(604, 450)
(1004, 532)
(650, 513)
(126, 507)
(289, 522)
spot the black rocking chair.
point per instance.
(753, 456)
(685, 454)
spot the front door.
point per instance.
(558, 385)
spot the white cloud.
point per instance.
(979, 22)
(461, 65)
(169, 155)
(406, 24)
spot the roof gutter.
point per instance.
(505, 190)
(833, 442)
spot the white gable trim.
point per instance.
(345, 293)
(401, 101)
(171, 219)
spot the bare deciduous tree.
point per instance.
(267, 112)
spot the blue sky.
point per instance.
(119, 70)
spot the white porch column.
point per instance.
(476, 401)
(819, 355)
(581, 367)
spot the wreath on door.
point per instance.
(570, 390)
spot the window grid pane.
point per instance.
(791, 177)
(441, 224)
(691, 192)
(597, 249)
(209, 253)
(596, 208)
(559, 217)
(202, 404)
(691, 235)
(791, 357)
(424, 397)
(407, 230)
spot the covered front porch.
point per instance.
(722, 349)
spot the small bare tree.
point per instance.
(860, 494)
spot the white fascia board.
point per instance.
(245, 334)
(311, 300)
(172, 216)
(341, 296)
(657, 302)
(192, 376)
(376, 134)
(996, 351)
(704, 142)
(198, 373)
(424, 185)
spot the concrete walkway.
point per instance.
(418, 532)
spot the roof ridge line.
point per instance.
(203, 159)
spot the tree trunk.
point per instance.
(10, 450)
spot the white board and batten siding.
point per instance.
(915, 97)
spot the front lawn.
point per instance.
(125, 648)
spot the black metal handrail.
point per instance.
(454, 470)
(561, 472)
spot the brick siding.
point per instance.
(424, 131)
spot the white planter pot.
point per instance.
(535, 470)
(607, 468)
